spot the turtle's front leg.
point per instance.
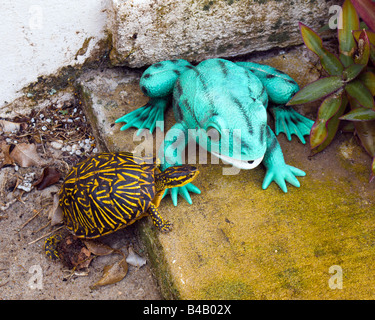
(157, 219)
(277, 169)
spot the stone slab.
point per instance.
(145, 32)
(238, 241)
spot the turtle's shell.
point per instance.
(105, 193)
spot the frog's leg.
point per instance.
(171, 151)
(281, 88)
(157, 82)
(277, 169)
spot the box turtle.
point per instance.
(110, 191)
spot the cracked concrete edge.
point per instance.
(148, 233)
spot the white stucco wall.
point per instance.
(37, 37)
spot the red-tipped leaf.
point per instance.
(332, 126)
(358, 91)
(360, 114)
(349, 21)
(352, 72)
(368, 79)
(313, 42)
(366, 9)
(327, 110)
(317, 90)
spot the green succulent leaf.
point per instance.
(332, 126)
(349, 21)
(372, 54)
(366, 9)
(328, 60)
(366, 133)
(317, 90)
(358, 91)
(327, 110)
(368, 79)
(352, 72)
(360, 114)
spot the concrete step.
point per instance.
(237, 241)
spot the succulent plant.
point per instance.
(347, 93)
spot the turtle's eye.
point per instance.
(213, 133)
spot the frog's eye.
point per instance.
(213, 133)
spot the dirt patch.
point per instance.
(37, 151)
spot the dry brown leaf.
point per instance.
(8, 126)
(98, 248)
(26, 155)
(112, 274)
(49, 177)
(4, 154)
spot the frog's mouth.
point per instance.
(241, 164)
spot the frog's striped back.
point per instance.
(280, 86)
(159, 79)
(217, 85)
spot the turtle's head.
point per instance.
(176, 176)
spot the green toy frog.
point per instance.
(230, 99)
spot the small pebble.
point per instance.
(44, 128)
(56, 145)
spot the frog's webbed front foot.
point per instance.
(291, 122)
(149, 116)
(282, 174)
(183, 191)
(277, 169)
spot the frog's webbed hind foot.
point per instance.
(290, 122)
(149, 116)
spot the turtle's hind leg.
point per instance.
(157, 219)
(157, 82)
(50, 246)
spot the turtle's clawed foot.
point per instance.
(162, 225)
(157, 219)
